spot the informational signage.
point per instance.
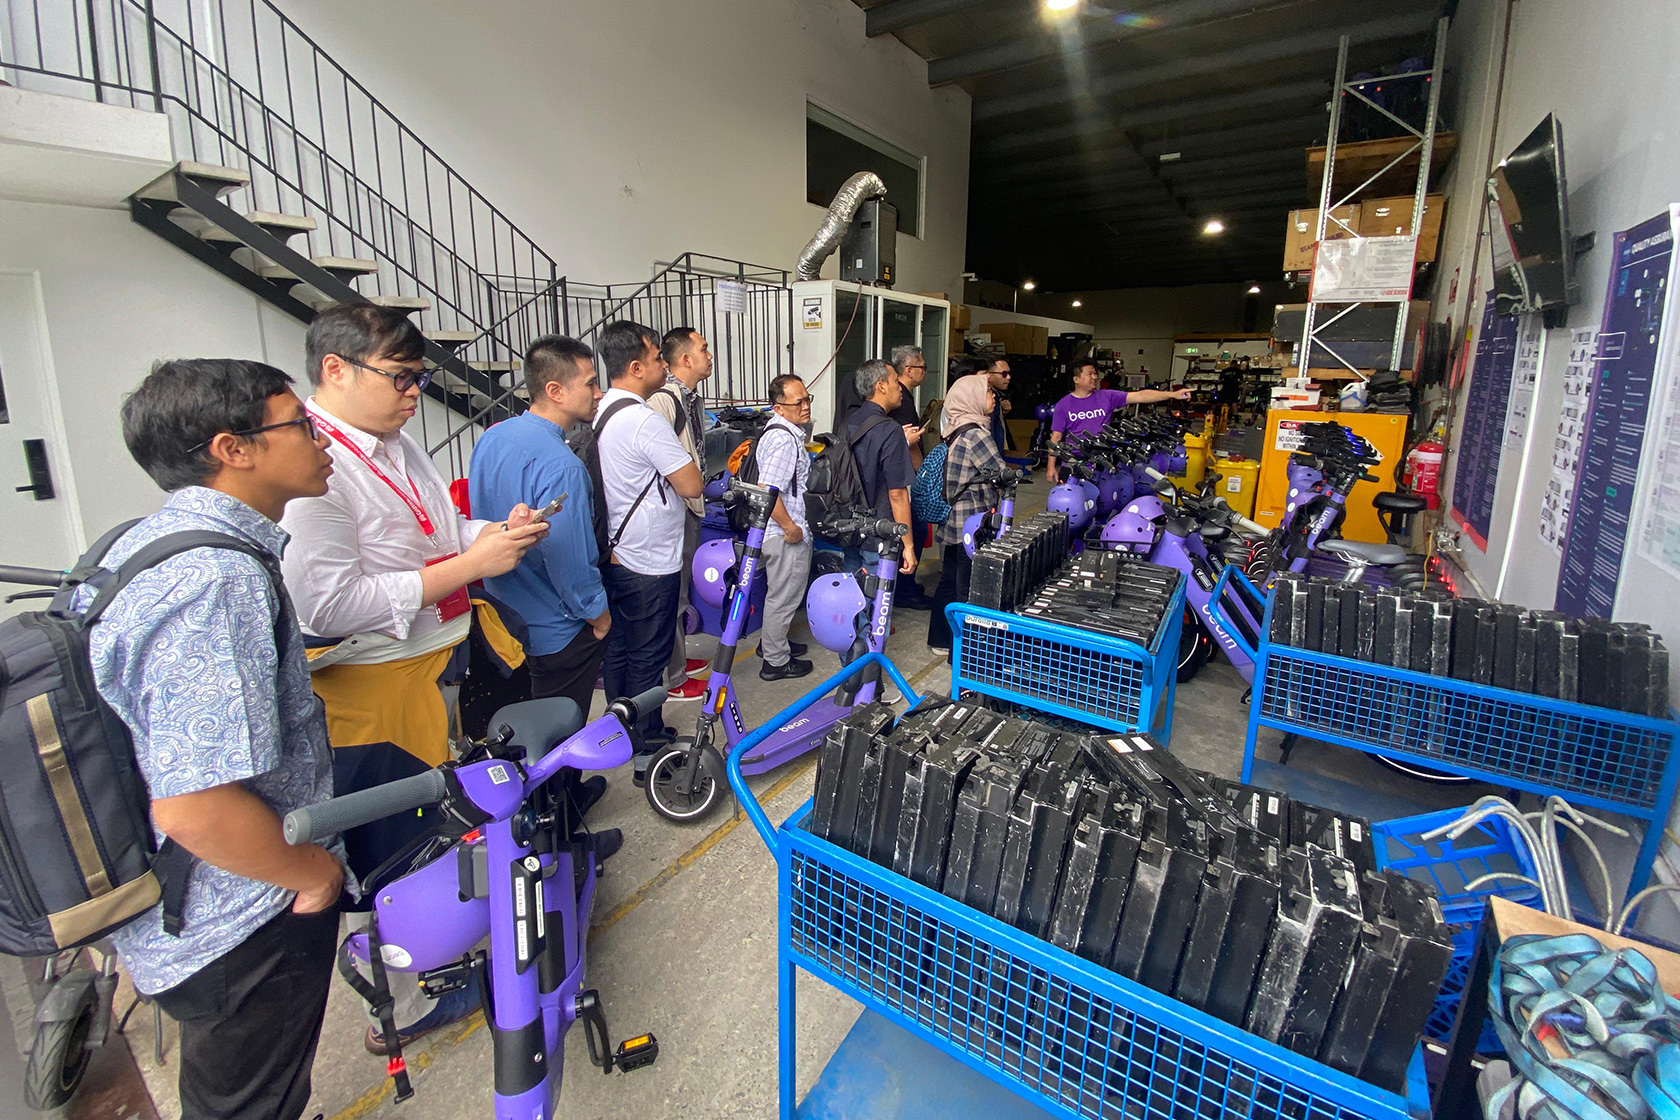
(1364, 270)
(811, 313)
(732, 297)
(1659, 534)
(1629, 339)
(1291, 435)
(1482, 439)
(1566, 445)
(1525, 377)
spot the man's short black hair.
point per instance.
(1081, 363)
(967, 367)
(555, 357)
(183, 404)
(623, 342)
(677, 341)
(361, 332)
(779, 384)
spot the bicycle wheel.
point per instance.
(1195, 647)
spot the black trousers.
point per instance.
(644, 615)
(571, 672)
(955, 569)
(251, 1019)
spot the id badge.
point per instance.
(456, 603)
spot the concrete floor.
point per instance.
(684, 942)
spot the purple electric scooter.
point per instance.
(511, 862)
(684, 780)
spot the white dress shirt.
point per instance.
(354, 561)
(636, 445)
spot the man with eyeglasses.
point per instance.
(883, 458)
(378, 568)
(912, 371)
(784, 464)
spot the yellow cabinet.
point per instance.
(1387, 433)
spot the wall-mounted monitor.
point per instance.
(1528, 218)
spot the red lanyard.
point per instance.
(413, 503)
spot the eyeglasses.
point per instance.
(802, 401)
(907, 369)
(404, 381)
(306, 422)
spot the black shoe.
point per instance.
(587, 792)
(917, 602)
(639, 764)
(795, 649)
(793, 669)
(606, 844)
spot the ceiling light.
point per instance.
(1060, 5)
(1169, 157)
(1214, 226)
(1027, 285)
(1077, 303)
(1254, 289)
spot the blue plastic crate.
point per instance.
(1065, 671)
(1449, 866)
(1073, 1038)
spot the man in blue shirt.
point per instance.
(201, 658)
(556, 589)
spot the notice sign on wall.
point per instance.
(1481, 441)
(1566, 445)
(1364, 270)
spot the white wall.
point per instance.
(620, 134)
(117, 299)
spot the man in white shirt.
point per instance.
(688, 362)
(784, 464)
(378, 569)
(646, 474)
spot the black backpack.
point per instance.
(835, 488)
(77, 855)
(740, 513)
(585, 442)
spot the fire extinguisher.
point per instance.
(1423, 471)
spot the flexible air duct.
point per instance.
(859, 189)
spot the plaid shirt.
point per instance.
(971, 454)
(782, 460)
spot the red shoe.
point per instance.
(688, 690)
(698, 666)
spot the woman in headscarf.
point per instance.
(971, 452)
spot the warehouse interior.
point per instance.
(1389, 527)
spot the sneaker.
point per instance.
(793, 669)
(691, 689)
(451, 1007)
(917, 602)
(698, 666)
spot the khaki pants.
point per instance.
(787, 569)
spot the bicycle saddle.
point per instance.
(539, 725)
(1214, 532)
(1395, 502)
(1363, 552)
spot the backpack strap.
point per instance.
(679, 423)
(600, 427)
(793, 483)
(868, 426)
(945, 479)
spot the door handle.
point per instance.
(40, 472)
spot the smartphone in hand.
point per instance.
(550, 509)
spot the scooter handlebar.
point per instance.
(36, 577)
(631, 709)
(337, 814)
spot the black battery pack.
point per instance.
(840, 772)
(884, 770)
(1342, 834)
(924, 823)
(1264, 810)
(1330, 624)
(1469, 617)
(1431, 636)
(1308, 954)
(1348, 623)
(1403, 954)
(1593, 652)
(1040, 827)
(1549, 628)
(1289, 610)
(1400, 655)
(1160, 907)
(1100, 863)
(1228, 938)
(1313, 634)
(1385, 618)
(980, 828)
(1507, 623)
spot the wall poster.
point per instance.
(1482, 438)
(1566, 444)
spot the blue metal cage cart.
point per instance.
(1593, 757)
(1064, 671)
(1072, 1038)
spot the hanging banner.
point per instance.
(1364, 270)
(1623, 376)
(1566, 445)
(1482, 438)
(1659, 534)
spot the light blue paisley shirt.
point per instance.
(186, 656)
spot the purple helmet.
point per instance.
(972, 529)
(714, 571)
(716, 487)
(1111, 493)
(1044, 411)
(1129, 531)
(1149, 506)
(832, 607)
(1071, 499)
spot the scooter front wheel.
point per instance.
(59, 1058)
(664, 779)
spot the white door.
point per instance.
(36, 530)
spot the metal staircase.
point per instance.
(301, 186)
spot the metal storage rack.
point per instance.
(1072, 1038)
(1593, 757)
(1064, 671)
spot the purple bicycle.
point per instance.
(686, 778)
(523, 873)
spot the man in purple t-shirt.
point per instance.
(1088, 408)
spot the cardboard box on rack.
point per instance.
(962, 316)
(1299, 243)
(1018, 338)
(1392, 217)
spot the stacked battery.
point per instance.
(1106, 593)
(1620, 665)
(1008, 570)
(1264, 912)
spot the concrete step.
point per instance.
(283, 226)
(319, 301)
(492, 367)
(211, 177)
(449, 340)
(344, 268)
